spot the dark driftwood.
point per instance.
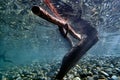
(73, 56)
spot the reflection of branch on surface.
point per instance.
(53, 9)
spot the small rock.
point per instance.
(114, 77)
(70, 76)
(90, 74)
(118, 71)
(76, 78)
(96, 77)
(77, 66)
(90, 78)
(51, 74)
(4, 78)
(104, 73)
(111, 65)
(19, 78)
(102, 77)
(95, 72)
(109, 70)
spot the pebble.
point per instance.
(101, 77)
(85, 70)
(4, 78)
(19, 78)
(104, 73)
(114, 77)
(76, 78)
(90, 78)
(109, 70)
(118, 70)
(70, 76)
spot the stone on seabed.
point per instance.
(4, 78)
(114, 77)
(76, 78)
(70, 76)
(90, 78)
(19, 78)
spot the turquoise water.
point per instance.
(26, 38)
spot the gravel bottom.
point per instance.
(88, 68)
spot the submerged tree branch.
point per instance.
(61, 23)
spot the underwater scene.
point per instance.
(59, 39)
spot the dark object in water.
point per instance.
(3, 57)
(72, 57)
(85, 43)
